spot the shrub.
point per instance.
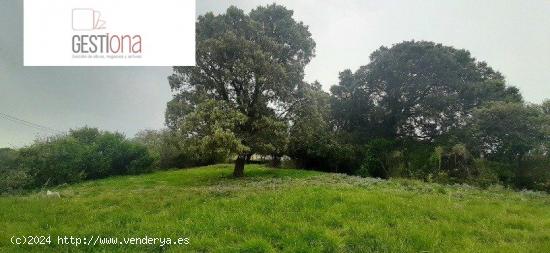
(13, 180)
(54, 161)
(113, 154)
(8, 158)
(381, 159)
(417, 157)
(499, 172)
(536, 175)
(455, 161)
(487, 173)
(86, 153)
(174, 150)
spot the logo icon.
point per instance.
(86, 19)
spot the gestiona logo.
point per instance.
(92, 39)
(109, 33)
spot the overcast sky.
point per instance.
(512, 36)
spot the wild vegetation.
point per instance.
(83, 154)
(422, 149)
(280, 210)
(253, 64)
(417, 110)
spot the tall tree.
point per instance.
(416, 89)
(254, 62)
(508, 131)
(311, 140)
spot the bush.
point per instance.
(13, 180)
(82, 154)
(455, 161)
(112, 154)
(454, 164)
(174, 150)
(487, 174)
(417, 157)
(325, 155)
(536, 175)
(381, 159)
(55, 161)
(8, 158)
(11, 177)
(498, 172)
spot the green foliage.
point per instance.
(312, 143)
(514, 133)
(56, 161)
(456, 161)
(209, 134)
(12, 179)
(507, 130)
(545, 108)
(8, 158)
(381, 159)
(418, 109)
(492, 172)
(206, 135)
(536, 173)
(443, 111)
(283, 211)
(253, 62)
(455, 164)
(415, 89)
(209, 131)
(85, 153)
(418, 157)
(168, 147)
(270, 138)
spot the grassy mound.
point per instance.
(279, 210)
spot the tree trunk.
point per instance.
(239, 166)
(276, 161)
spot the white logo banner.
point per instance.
(109, 33)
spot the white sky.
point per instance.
(512, 36)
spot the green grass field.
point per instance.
(274, 210)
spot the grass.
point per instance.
(280, 210)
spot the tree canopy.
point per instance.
(254, 62)
(415, 89)
(417, 108)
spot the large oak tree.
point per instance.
(254, 62)
(415, 89)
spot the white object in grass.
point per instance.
(52, 194)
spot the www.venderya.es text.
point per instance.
(97, 240)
